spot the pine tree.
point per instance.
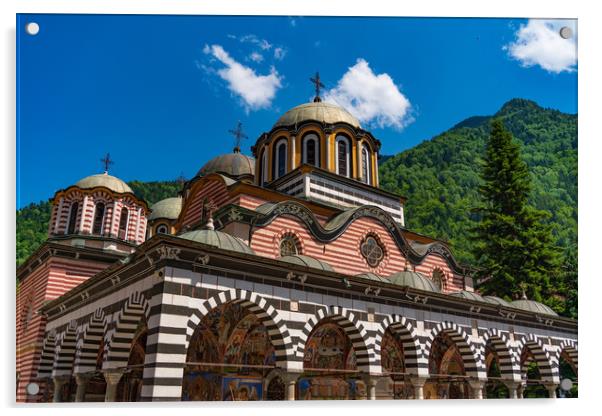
(514, 245)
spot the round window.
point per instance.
(372, 251)
(162, 229)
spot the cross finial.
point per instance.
(318, 84)
(106, 162)
(239, 135)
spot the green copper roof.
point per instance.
(532, 306)
(166, 208)
(465, 294)
(233, 164)
(106, 180)
(373, 276)
(322, 112)
(497, 301)
(307, 261)
(414, 280)
(218, 239)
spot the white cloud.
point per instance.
(372, 98)
(255, 91)
(279, 53)
(256, 57)
(262, 43)
(539, 43)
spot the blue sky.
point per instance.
(161, 92)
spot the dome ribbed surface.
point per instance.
(218, 239)
(308, 261)
(106, 180)
(232, 164)
(372, 276)
(465, 294)
(497, 301)
(532, 306)
(414, 280)
(322, 112)
(168, 208)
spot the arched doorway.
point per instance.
(97, 385)
(329, 364)
(228, 357)
(392, 361)
(568, 369)
(130, 385)
(531, 373)
(275, 389)
(446, 368)
(494, 388)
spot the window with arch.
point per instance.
(342, 155)
(372, 250)
(123, 223)
(99, 216)
(311, 149)
(72, 217)
(280, 158)
(438, 278)
(366, 167)
(289, 246)
(162, 229)
(263, 177)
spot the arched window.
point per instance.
(438, 277)
(99, 216)
(366, 171)
(72, 218)
(280, 153)
(262, 167)
(342, 159)
(288, 246)
(123, 223)
(311, 149)
(162, 229)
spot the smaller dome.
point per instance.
(414, 280)
(106, 180)
(532, 306)
(497, 301)
(233, 164)
(465, 294)
(308, 261)
(218, 239)
(322, 112)
(168, 208)
(373, 276)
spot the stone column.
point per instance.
(520, 390)
(292, 148)
(418, 383)
(112, 377)
(291, 385)
(512, 389)
(59, 382)
(477, 388)
(552, 390)
(82, 382)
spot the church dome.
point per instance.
(218, 239)
(307, 261)
(465, 294)
(532, 306)
(319, 111)
(168, 208)
(414, 280)
(106, 180)
(232, 164)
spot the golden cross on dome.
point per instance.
(106, 161)
(239, 135)
(318, 84)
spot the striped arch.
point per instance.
(266, 313)
(405, 332)
(509, 363)
(88, 343)
(47, 357)
(352, 327)
(548, 368)
(473, 364)
(570, 348)
(65, 352)
(118, 340)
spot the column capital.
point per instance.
(82, 377)
(418, 381)
(62, 379)
(112, 376)
(551, 387)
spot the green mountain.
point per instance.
(440, 177)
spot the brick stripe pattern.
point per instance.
(509, 363)
(547, 365)
(570, 348)
(89, 342)
(65, 351)
(406, 334)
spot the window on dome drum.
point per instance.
(372, 251)
(342, 156)
(280, 159)
(99, 215)
(366, 166)
(311, 152)
(123, 223)
(288, 246)
(261, 161)
(438, 278)
(162, 229)
(72, 218)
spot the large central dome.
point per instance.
(317, 111)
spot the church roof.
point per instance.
(307, 261)
(497, 301)
(465, 294)
(233, 164)
(218, 239)
(168, 208)
(319, 111)
(532, 306)
(414, 280)
(106, 180)
(373, 276)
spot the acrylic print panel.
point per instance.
(250, 208)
